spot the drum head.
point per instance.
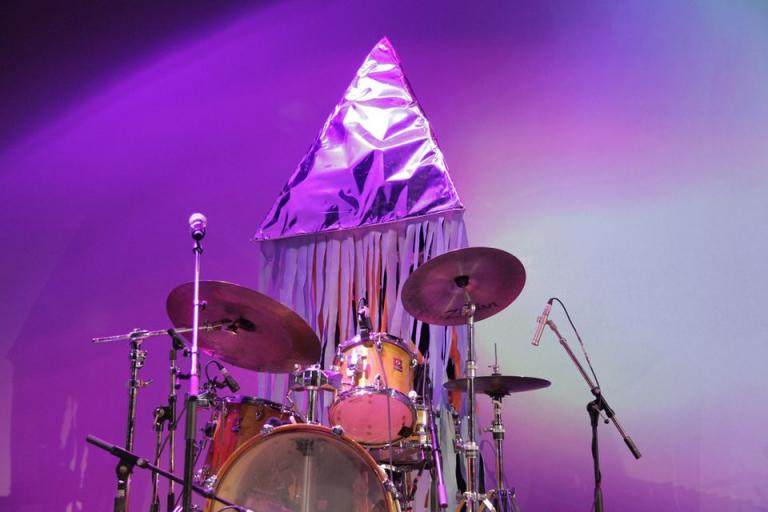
(363, 414)
(303, 467)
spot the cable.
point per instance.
(578, 337)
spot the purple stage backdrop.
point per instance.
(617, 148)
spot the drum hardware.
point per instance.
(497, 386)
(130, 459)
(161, 415)
(462, 287)
(312, 380)
(594, 409)
(137, 357)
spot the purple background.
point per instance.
(617, 148)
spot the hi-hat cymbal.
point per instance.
(263, 334)
(437, 291)
(499, 385)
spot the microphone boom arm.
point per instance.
(601, 403)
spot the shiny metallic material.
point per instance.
(261, 334)
(375, 161)
(483, 278)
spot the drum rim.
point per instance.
(394, 506)
(407, 346)
(253, 400)
(366, 390)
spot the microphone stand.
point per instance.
(192, 399)
(130, 459)
(594, 408)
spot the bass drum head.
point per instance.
(300, 468)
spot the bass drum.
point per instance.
(303, 468)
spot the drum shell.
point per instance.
(397, 358)
(276, 447)
(238, 420)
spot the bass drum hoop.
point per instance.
(392, 504)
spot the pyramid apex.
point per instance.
(375, 161)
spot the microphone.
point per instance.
(541, 321)
(363, 319)
(229, 380)
(197, 225)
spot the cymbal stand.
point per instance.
(163, 414)
(124, 470)
(594, 408)
(174, 375)
(470, 447)
(136, 337)
(502, 498)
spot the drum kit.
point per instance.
(381, 432)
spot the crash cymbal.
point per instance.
(262, 334)
(499, 385)
(436, 291)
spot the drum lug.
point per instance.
(267, 429)
(338, 430)
(210, 483)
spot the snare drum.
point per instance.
(237, 420)
(376, 379)
(297, 468)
